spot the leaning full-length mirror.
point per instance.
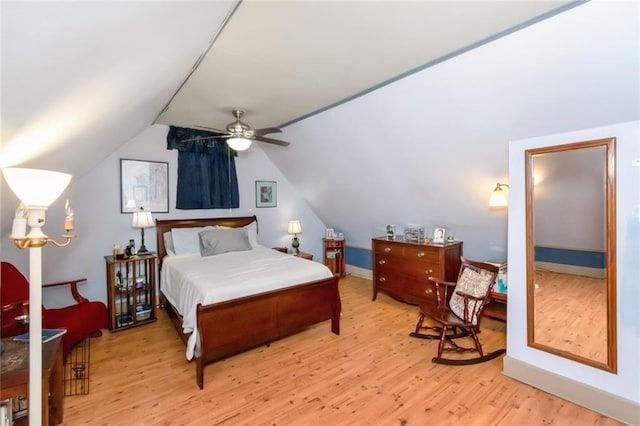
(571, 229)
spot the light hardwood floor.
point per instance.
(579, 304)
(372, 374)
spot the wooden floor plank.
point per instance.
(372, 374)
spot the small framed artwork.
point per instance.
(438, 235)
(266, 194)
(329, 234)
(144, 184)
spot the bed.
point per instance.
(227, 327)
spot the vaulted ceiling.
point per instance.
(80, 79)
(281, 61)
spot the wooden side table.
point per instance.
(334, 256)
(131, 290)
(15, 376)
(304, 255)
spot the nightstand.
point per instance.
(334, 256)
(131, 290)
(304, 255)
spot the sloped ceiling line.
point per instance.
(199, 60)
(442, 58)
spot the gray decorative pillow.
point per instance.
(474, 283)
(223, 240)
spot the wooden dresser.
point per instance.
(400, 269)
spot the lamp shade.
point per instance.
(239, 144)
(498, 196)
(34, 187)
(295, 227)
(142, 219)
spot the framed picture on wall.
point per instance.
(438, 235)
(144, 184)
(266, 193)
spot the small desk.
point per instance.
(496, 306)
(15, 376)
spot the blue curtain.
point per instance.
(206, 170)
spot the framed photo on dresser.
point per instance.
(438, 235)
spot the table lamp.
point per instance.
(142, 219)
(295, 228)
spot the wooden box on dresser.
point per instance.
(400, 268)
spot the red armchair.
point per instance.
(81, 320)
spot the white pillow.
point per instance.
(186, 240)
(168, 243)
(252, 230)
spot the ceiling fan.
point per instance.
(240, 135)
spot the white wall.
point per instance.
(429, 148)
(95, 198)
(568, 186)
(626, 383)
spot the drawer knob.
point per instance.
(382, 279)
(429, 290)
(421, 254)
(387, 249)
(381, 262)
(428, 271)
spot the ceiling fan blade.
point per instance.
(270, 140)
(260, 132)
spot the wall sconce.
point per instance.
(239, 143)
(36, 189)
(498, 196)
(295, 228)
(142, 219)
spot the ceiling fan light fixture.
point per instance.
(239, 143)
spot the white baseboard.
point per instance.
(621, 409)
(367, 274)
(572, 269)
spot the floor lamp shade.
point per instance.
(36, 187)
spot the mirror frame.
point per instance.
(610, 144)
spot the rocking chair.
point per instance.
(458, 311)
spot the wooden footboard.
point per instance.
(231, 327)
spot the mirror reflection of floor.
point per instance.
(571, 314)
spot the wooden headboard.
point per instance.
(163, 226)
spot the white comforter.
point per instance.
(189, 279)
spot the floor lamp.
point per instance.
(36, 189)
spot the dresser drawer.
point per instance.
(388, 248)
(403, 266)
(405, 289)
(422, 270)
(422, 253)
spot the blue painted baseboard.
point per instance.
(585, 258)
(358, 257)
